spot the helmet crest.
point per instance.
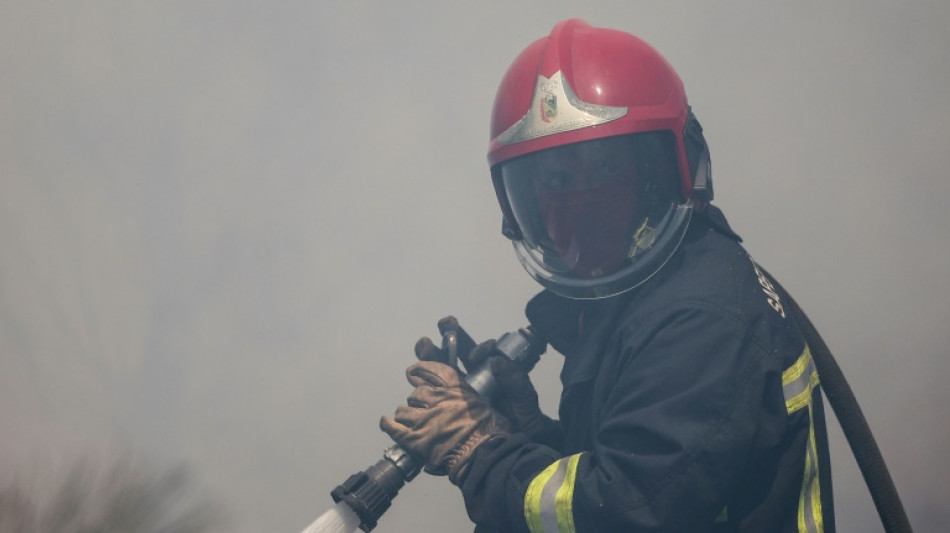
(556, 109)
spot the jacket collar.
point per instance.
(579, 329)
(717, 221)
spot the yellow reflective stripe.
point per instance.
(809, 501)
(548, 503)
(815, 488)
(798, 385)
(532, 498)
(564, 504)
(798, 382)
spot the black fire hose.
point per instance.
(853, 423)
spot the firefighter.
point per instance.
(690, 401)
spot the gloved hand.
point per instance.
(444, 420)
(515, 396)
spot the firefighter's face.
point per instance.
(586, 196)
(595, 216)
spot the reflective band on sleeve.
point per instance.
(548, 503)
(799, 382)
(809, 502)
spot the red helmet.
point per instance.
(596, 159)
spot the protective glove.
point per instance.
(444, 420)
(515, 397)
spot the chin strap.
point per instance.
(853, 423)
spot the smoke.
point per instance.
(96, 496)
(222, 229)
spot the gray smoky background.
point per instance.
(223, 225)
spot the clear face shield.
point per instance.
(597, 217)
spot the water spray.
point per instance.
(368, 493)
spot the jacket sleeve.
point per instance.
(695, 394)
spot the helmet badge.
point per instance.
(548, 107)
(557, 109)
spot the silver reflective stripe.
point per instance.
(798, 382)
(798, 385)
(548, 502)
(549, 497)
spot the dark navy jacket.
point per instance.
(689, 404)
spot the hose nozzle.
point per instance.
(370, 492)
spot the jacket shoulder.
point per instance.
(713, 273)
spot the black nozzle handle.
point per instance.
(523, 347)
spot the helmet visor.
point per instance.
(592, 214)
